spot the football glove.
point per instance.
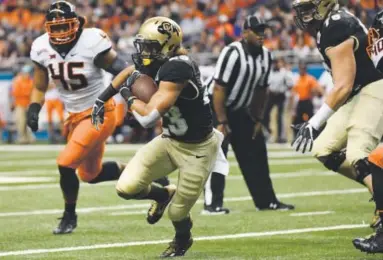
(126, 88)
(305, 137)
(97, 116)
(33, 116)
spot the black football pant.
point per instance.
(252, 159)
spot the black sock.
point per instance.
(110, 171)
(70, 185)
(163, 181)
(377, 185)
(183, 228)
(157, 193)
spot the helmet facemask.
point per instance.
(62, 31)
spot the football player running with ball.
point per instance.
(188, 142)
(374, 244)
(74, 57)
(353, 109)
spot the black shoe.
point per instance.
(209, 210)
(157, 209)
(278, 206)
(373, 244)
(177, 248)
(67, 224)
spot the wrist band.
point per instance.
(320, 117)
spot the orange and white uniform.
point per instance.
(79, 82)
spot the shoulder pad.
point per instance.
(96, 40)
(40, 49)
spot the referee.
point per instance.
(240, 92)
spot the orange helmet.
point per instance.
(62, 23)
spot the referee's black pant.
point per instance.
(252, 159)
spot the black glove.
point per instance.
(33, 116)
(305, 136)
(97, 116)
(126, 88)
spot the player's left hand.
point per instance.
(97, 116)
(305, 137)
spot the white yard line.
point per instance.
(282, 175)
(109, 147)
(204, 238)
(34, 162)
(18, 179)
(314, 213)
(145, 205)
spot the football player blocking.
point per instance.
(353, 110)
(188, 142)
(73, 57)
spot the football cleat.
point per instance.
(278, 206)
(209, 210)
(157, 209)
(67, 224)
(177, 248)
(373, 244)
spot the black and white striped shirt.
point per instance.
(241, 73)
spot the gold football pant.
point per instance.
(356, 126)
(162, 156)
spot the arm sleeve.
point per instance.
(176, 71)
(227, 60)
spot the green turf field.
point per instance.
(334, 211)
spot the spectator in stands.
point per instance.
(21, 92)
(305, 89)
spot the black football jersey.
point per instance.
(337, 28)
(190, 118)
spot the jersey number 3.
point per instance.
(65, 71)
(177, 124)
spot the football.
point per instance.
(144, 88)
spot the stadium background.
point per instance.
(208, 25)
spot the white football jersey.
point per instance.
(78, 80)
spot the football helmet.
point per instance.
(62, 23)
(374, 32)
(157, 40)
(310, 14)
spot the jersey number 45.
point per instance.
(66, 72)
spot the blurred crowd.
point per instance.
(207, 24)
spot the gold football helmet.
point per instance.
(310, 14)
(157, 40)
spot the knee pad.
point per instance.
(333, 161)
(362, 168)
